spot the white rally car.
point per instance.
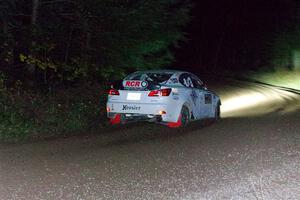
(170, 97)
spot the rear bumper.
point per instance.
(140, 111)
(136, 117)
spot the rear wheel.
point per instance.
(185, 116)
(183, 119)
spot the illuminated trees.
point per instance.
(63, 40)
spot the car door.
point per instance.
(205, 98)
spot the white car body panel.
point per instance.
(200, 101)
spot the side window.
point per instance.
(197, 82)
(186, 80)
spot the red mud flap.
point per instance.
(115, 120)
(175, 124)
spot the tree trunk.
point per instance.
(35, 6)
(34, 15)
(68, 45)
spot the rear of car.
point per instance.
(149, 95)
(170, 97)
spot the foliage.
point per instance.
(27, 114)
(285, 46)
(12, 122)
(54, 54)
(88, 39)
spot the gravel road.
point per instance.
(252, 153)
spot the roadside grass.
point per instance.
(26, 114)
(280, 77)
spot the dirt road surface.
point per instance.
(252, 153)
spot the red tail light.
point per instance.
(162, 92)
(154, 93)
(166, 92)
(113, 92)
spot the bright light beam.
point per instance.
(243, 101)
(257, 100)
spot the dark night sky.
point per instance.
(233, 34)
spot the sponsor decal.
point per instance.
(144, 84)
(208, 98)
(134, 108)
(194, 96)
(135, 84)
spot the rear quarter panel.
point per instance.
(185, 99)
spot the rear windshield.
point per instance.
(160, 77)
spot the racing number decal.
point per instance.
(188, 82)
(208, 99)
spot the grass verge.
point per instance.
(281, 77)
(30, 115)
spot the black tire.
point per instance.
(185, 116)
(218, 112)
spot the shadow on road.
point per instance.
(143, 133)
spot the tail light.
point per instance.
(154, 93)
(113, 91)
(163, 92)
(166, 92)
